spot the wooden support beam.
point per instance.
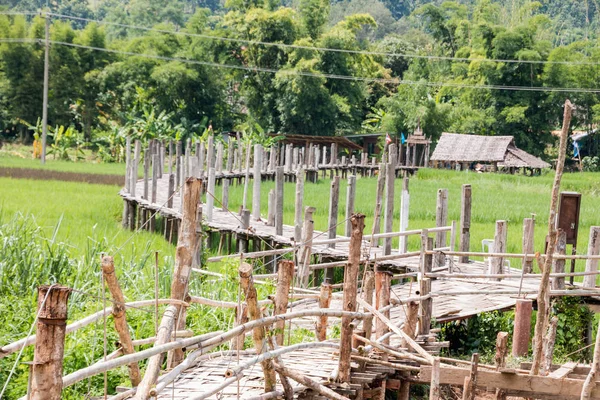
(210, 194)
(285, 275)
(119, 315)
(426, 265)
(334, 196)
(549, 341)
(465, 222)
(382, 300)
(46, 380)
(306, 248)
(522, 327)
(350, 294)
(258, 333)
(367, 295)
(434, 387)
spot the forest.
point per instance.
(177, 69)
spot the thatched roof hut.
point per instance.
(497, 150)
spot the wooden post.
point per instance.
(210, 152)
(285, 274)
(471, 380)
(379, 200)
(404, 215)
(134, 167)
(225, 194)
(522, 327)
(210, 193)
(500, 359)
(425, 305)
(441, 219)
(246, 178)
(219, 160)
(245, 225)
(178, 165)
(350, 194)
(542, 315)
(279, 201)
(184, 256)
(367, 294)
(382, 299)
(259, 333)
(591, 265)
(46, 382)
(549, 346)
(350, 292)
(334, 196)
(497, 263)
(155, 158)
(434, 388)
(306, 248)
(256, 183)
(390, 176)
(558, 283)
(146, 173)
(410, 322)
(324, 302)
(120, 318)
(271, 208)
(465, 222)
(528, 243)
(288, 158)
(298, 205)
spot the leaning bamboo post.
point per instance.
(379, 202)
(590, 380)
(497, 263)
(350, 195)
(298, 205)
(309, 383)
(382, 300)
(465, 222)
(591, 265)
(367, 294)
(285, 274)
(528, 243)
(350, 292)
(549, 341)
(441, 219)
(46, 380)
(152, 370)
(558, 283)
(404, 215)
(389, 207)
(324, 302)
(256, 183)
(500, 359)
(305, 249)
(119, 316)
(258, 333)
(522, 327)
(542, 315)
(186, 247)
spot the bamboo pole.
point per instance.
(324, 302)
(350, 295)
(119, 316)
(258, 333)
(285, 274)
(46, 381)
(184, 256)
(542, 315)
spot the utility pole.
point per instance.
(45, 105)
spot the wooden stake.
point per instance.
(258, 334)
(350, 292)
(549, 346)
(441, 219)
(522, 327)
(590, 380)
(350, 195)
(500, 359)
(379, 201)
(333, 209)
(426, 305)
(497, 263)
(306, 248)
(542, 315)
(256, 183)
(528, 243)
(434, 388)
(389, 207)
(285, 274)
(46, 381)
(591, 265)
(271, 208)
(210, 194)
(404, 215)
(382, 299)
(410, 322)
(120, 318)
(324, 301)
(465, 222)
(279, 201)
(298, 205)
(367, 295)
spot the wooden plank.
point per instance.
(564, 370)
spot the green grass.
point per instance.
(16, 156)
(494, 197)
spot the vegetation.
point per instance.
(158, 68)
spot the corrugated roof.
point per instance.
(470, 148)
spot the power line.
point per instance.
(318, 75)
(317, 48)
